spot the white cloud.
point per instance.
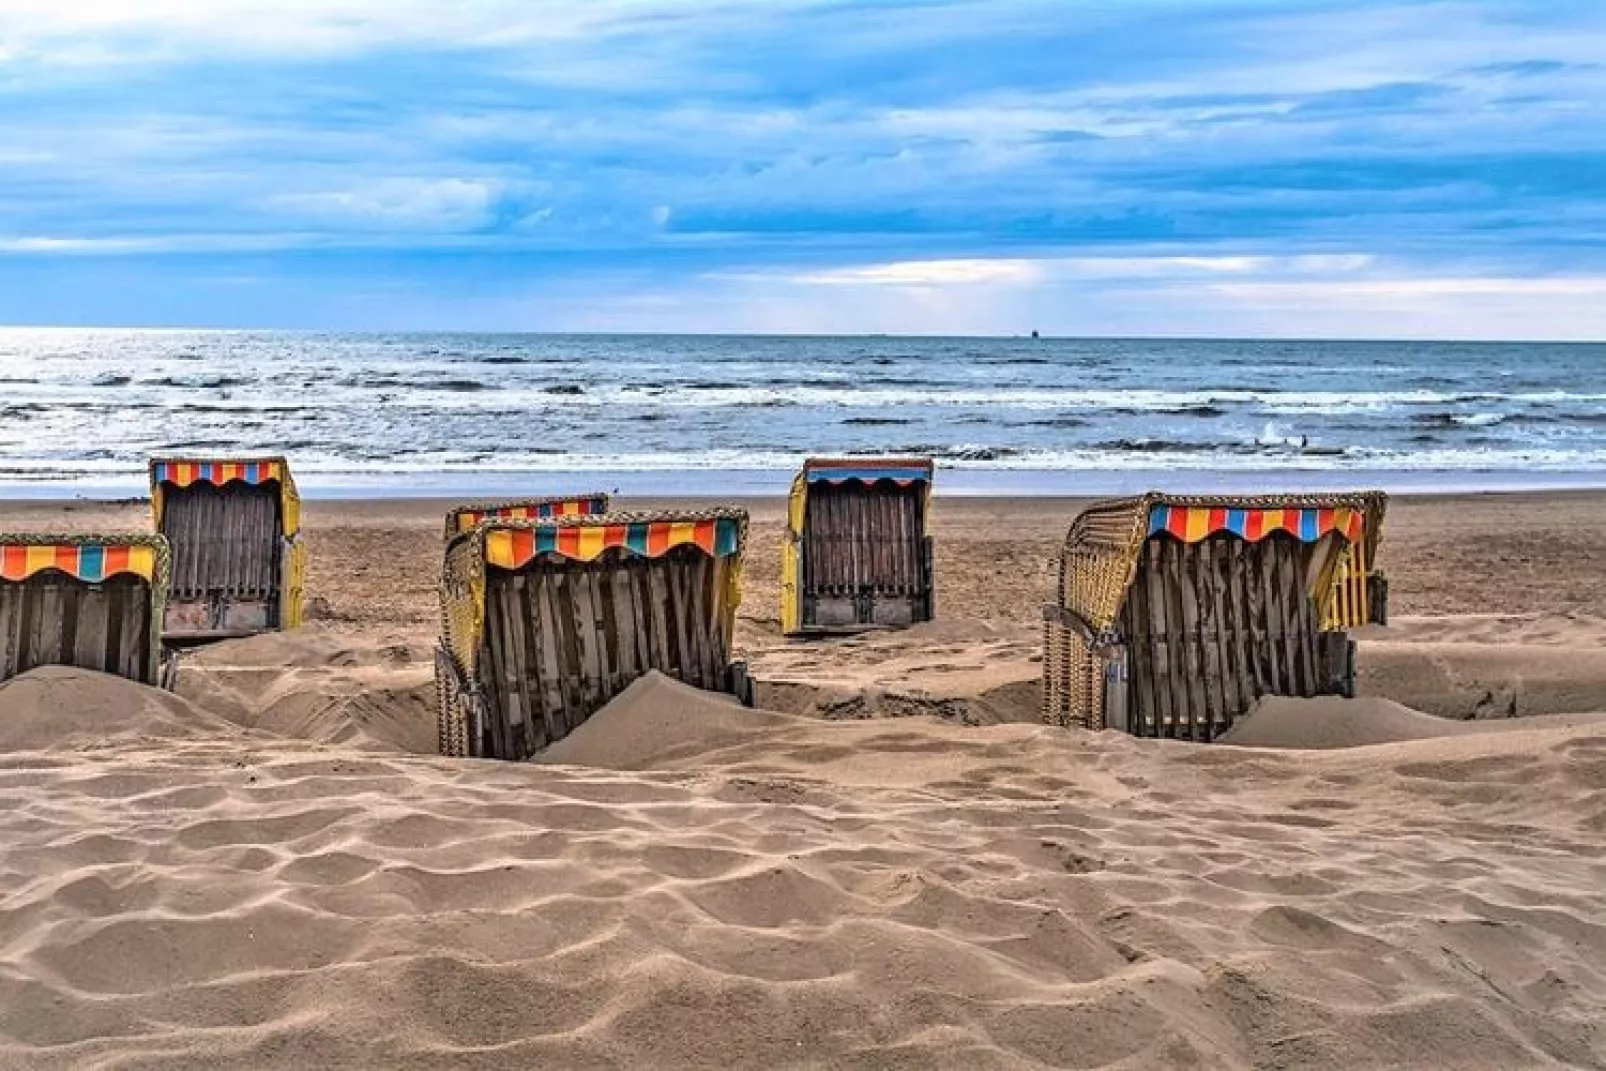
(47, 245)
(1045, 270)
(403, 201)
(926, 273)
(85, 31)
(1409, 289)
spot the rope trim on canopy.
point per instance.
(466, 518)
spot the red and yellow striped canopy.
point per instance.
(185, 473)
(89, 562)
(1192, 524)
(514, 546)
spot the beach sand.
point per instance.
(893, 864)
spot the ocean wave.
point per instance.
(196, 382)
(1479, 420)
(455, 386)
(401, 403)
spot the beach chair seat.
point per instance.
(465, 517)
(90, 601)
(545, 621)
(238, 560)
(857, 553)
(1174, 614)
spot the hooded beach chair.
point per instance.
(465, 518)
(238, 563)
(857, 554)
(94, 602)
(1173, 614)
(544, 622)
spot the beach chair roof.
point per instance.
(900, 470)
(1100, 558)
(467, 516)
(183, 472)
(90, 558)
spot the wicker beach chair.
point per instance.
(238, 562)
(90, 601)
(856, 553)
(543, 622)
(1173, 614)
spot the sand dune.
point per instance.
(727, 887)
(375, 693)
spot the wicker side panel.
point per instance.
(456, 706)
(1073, 679)
(463, 602)
(1099, 559)
(457, 687)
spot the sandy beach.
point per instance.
(891, 863)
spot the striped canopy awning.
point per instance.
(1192, 524)
(89, 562)
(901, 471)
(185, 473)
(584, 506)
(513, 547)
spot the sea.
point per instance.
(488, 414)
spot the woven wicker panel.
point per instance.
(1073, 679)
(463, 601)
(1100, 557)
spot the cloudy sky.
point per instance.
(1105, 167)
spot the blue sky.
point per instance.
(1258, 167)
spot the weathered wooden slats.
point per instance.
(57, 620)
(865, 546)
(564, 637)
(1209, 627)
(227, 546)
(11, 595)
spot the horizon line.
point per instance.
(1027, 336)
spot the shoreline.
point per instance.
(747, 484)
